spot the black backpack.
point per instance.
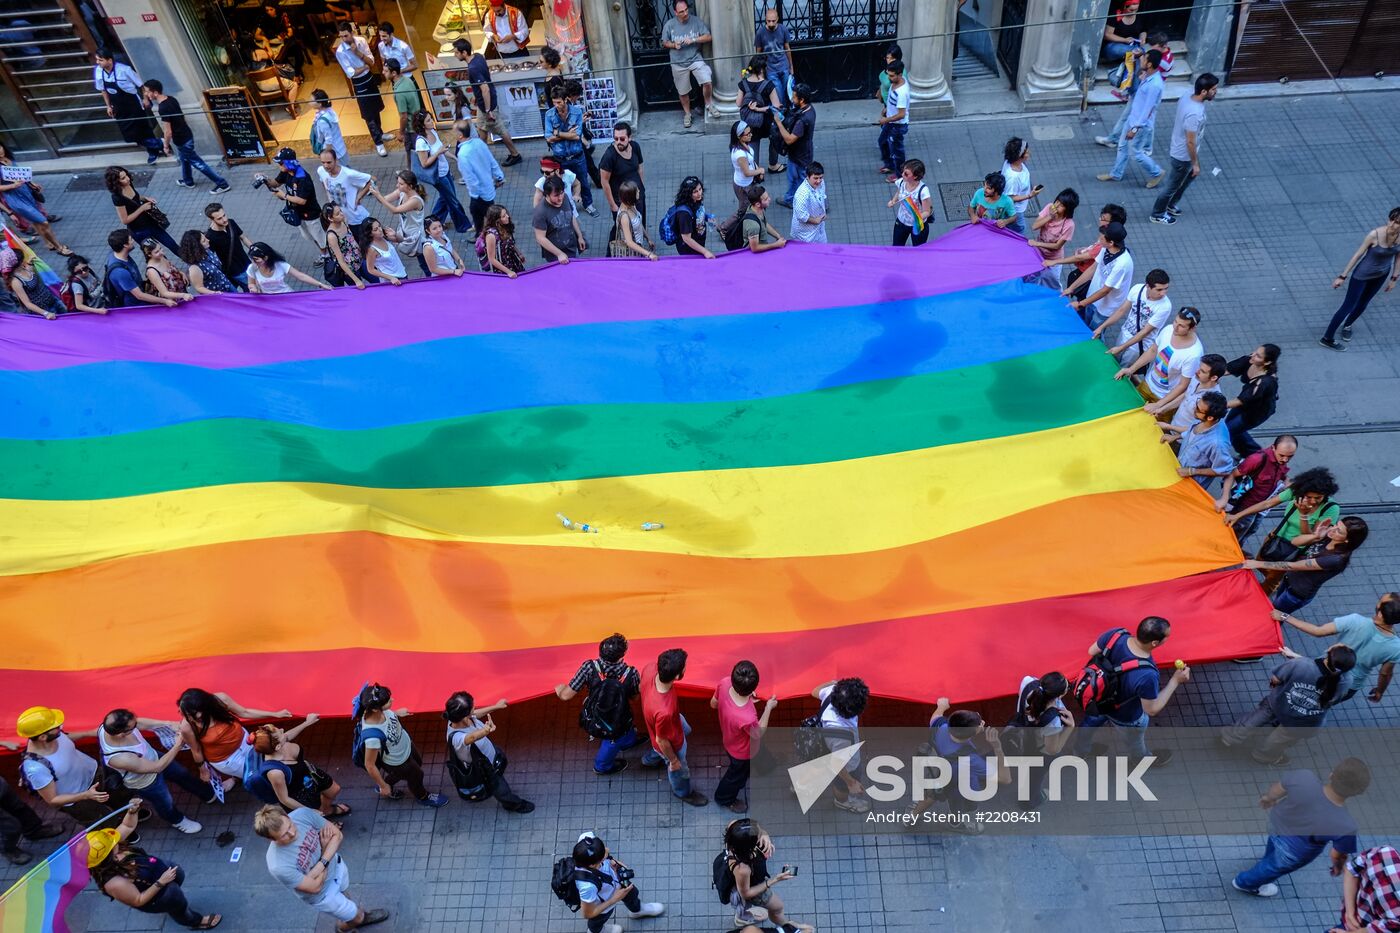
(111, 298)
(731, 229)
(472, 779)
(607, 712)
(561, 881)
(809, 738)
(723, 881)
(1100, 686)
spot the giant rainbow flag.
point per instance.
(906, 464)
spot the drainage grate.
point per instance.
(956, 195)
(93, 181)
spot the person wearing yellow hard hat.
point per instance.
(137, 879)
(56, 770)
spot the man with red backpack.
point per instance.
(610, 684)
(1120, 686)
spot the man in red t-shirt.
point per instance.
(1260, 475)
(740, 727)
(666, 726)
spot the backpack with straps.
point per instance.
(809, 739)
(731, 229)
(606, 712)
(111, 298)
(723, 880)
(562, 879)
(472, 778)
(667, 230)
(1100, 688)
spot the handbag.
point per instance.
(331, 271)
(156, 215)
(1275, 547)
(37, 192)
(289, 216)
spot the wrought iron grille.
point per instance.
(820, 22)
(644, 21)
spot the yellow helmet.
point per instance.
(37, 720)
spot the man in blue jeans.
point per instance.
(609, 665)
(895, 122)
(774, 40)
(1141, 124)
(563, 129)
(666, 726)
(797, 131)
(178, 138)
(1304, 816)
(1135, 696)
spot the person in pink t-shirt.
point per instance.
(740, 726)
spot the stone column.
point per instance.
(1046, 76)
(1208, 38)
(731, 25)
(928, 55)
(608, 56)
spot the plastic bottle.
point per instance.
(652, 526)
(575, 526)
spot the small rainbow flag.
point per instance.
(37, 901)
(914, 209)
(46, 273)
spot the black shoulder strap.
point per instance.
(31, 756)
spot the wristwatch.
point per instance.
(325, 863)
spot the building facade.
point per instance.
(1045, 51)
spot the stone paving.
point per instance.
(1301, 180)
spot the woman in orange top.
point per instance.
(213, 730)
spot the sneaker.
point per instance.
(614, 768)
(687, 121)
(513, 160)
(1167, 219)
(1155, 180)
(737, 806)
(523, 806)
(712, 113)
(854, 805)
(220, 189)
(1268, 889)
(434, 801)
(183, 184)
(1105, 142)
(612, 928)
(649, 909)
(696, 799)
(189, 826)
(377, 915)
(652, 765)
(591, 211)
(151, 158)
(1174, 211)
(1332, 345)
(1107, 177)
(1346, 332)
(17, 856)
(379, 148)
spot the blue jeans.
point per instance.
(1134, 733)
(579, 166)
(680, 780)
(1282, 855)
(1285, 601)
(892, 146)
(1115, 51)
(1122, 125)
(157, 793)
(448, 204)
(241, 280)
(1019, 226)
(608, 749)
(797, 174)
(189, 159)
(1141, 148)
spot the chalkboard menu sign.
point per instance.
(237, 123)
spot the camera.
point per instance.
(625, 875)
(259, 181)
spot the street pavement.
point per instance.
(1300, 181)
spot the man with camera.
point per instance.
(603, 882)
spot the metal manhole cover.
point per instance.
(956, 195)
(94, 181)
(1046, 132)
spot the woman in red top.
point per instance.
(211, 726)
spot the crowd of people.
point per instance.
(365, 235)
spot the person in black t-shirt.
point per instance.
(229, 243)
(179, 141)
(296, 189)
(797, 130)
(1326, 553)
(1258, 396)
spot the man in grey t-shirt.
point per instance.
(1187, 131)
(683, 34)
(303, 853)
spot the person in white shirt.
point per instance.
(507, 29)
(809, 207)
(550, 166)
(345, 186)
(391, 46)
(120, 87)
(469, 729)
(325, 126)
(601, 889)
(1018, 180)
(1112, 275)
(1171, 357)
(895, 122)
(1144, 312)
(355, 58)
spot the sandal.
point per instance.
(340, 809)
(62, 251)
(209, 921)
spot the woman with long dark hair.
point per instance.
(137, 212)
(127, 874)
(439, 254)
(382, 260)
(1326, 552)
(432, 167)
(268, 271)
(389, 753)
(406, 203)
(1377, 257)
(211, 724)
(478, 767)
(1301, 692)
(747, 850)
(344, 261)
(690, 218)
(1258, 395)
(758, 105)
(495, 247)
(206, 273)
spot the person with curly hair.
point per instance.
(842, 702)
(136, 212)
